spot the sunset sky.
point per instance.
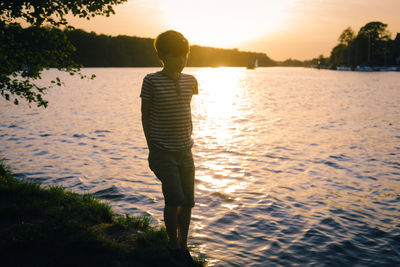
(300, 29)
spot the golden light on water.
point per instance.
(221, 85)
(219, 112)
(223, 93)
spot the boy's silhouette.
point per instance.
(167, 124)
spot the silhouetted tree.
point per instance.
(347, 36)
(340, 55)
(371, 46)
(371, 43)
(24, 53)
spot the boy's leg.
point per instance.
(184, 215)
(187, 173)
(165, 167)
(171, 224)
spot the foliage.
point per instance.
(95, 50)
(319, 62)
(375, 31)
(25, 53)
(346, 37)
(142, 223)
(340, 55)
(371, 46)
(216, 57)
(291, 63)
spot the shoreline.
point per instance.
(56, 227)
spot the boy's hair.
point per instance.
(171, 42)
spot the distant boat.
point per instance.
(392, 68)
(252, 64)
(344, 68)
(364, 68)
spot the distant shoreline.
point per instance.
(376, 69)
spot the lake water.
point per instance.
(295, 166)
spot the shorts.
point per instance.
(176, 171)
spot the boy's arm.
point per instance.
(145, 120)
(195, 91)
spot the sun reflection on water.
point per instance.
(221, 86)
(221, 96)
(220, 113)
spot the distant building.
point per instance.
(396, 49)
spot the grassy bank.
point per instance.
(55, 227)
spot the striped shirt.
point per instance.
(170, 121)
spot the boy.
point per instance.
(167, 125)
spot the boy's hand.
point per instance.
(146, 104)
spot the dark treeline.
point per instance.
(318, 61)
(214, 57)
(291, 63)
(371, 46)
(93, 50)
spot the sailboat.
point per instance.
(252, 64)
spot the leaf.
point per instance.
(27, 51)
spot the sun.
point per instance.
(225, 23)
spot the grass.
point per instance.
(56, 227)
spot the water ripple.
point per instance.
(295, 167)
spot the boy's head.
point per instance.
(171, 43)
